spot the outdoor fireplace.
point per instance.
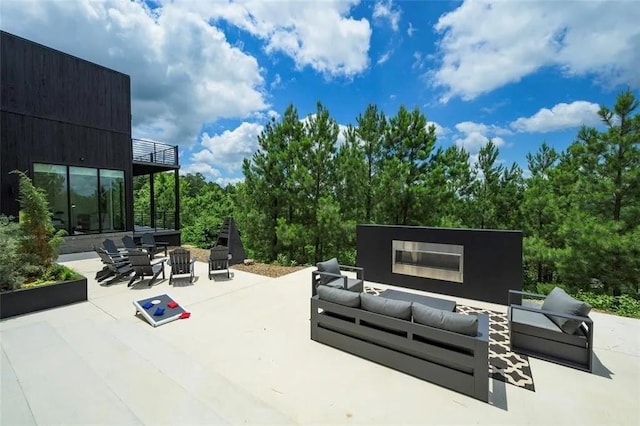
(429, 260)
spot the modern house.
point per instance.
(66, 122)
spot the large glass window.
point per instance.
(53, 180)
(83, 200)
(83, 187)
(112, 200)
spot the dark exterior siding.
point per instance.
(59, 109)
(492, 260)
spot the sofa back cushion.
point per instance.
(559, 301)
(389, 307)
(331, 266)
(339, 296)
(445, 320)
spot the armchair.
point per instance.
(142, 267)
(219, 261)
(559, 330)
(330, 273)
(181, 262)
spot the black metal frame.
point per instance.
(448, 359)
(571, 350)
(350, 284)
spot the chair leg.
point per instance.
(154, 277)
(135, 277)
(170, 276)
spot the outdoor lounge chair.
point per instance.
(330, 273)
(129, 243)
(559, 330)
(181, 263)
(142, 267)
(111, 248)
(219, 261)
(153, 246)
(117, 269)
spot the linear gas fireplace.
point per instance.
(429, 260)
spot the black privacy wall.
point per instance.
(479, 264)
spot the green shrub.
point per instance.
(40, 242)
(624, 305)
(11, 271)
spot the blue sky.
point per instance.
(205, 75)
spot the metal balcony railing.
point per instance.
(164, 220)
(154, 152)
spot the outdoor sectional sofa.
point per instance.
(393, 333)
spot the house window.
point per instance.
(53, 180)
(112, 200)
(82, 199)
(83, 185)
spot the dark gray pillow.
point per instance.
(559, 301)
(445, 320)
(389, 307)
(339, 296)
(331, 266)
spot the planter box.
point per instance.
(26, 300)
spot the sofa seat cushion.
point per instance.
(339, 296)
(561, 302)
(389, 307)
(450, 321)
(539, 325)
(331, 266)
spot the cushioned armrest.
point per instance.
(524, 293)
(329, 274)
(588, 320)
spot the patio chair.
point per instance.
(559, 330)
(330, 273)
(112, 268)
(111, 248)
(181, 263)
(219, 261)
(142, 267)
(153, 246)
(129, 243)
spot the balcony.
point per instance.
(153, 157)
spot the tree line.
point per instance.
(304, 193)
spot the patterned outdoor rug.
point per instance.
(504, 365)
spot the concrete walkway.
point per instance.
(245, 357)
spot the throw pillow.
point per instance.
(389, 307)
(445, 320)
(331, 266)
(559, 301)
(339, 296)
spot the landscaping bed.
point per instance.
(265, 269)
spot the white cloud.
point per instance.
(384, 11)
(486, 45)
(316, 34)
(411, 29)
(205, 169)
(183, 71)
(473, 136)
(440, 130)
(471, 127)
(559, 117)
(228, 149)
(384, 57)
(418, 61)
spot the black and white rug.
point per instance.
(506, 366)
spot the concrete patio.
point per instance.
(245, 357)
